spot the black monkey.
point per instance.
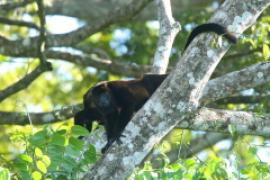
(112, 103)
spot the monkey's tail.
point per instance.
(211, 27)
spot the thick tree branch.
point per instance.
(167, 32)
(19, 49)
(88, 49)
(223, 121)
(28, 46)
(116, 67)
(236, 81)
(42, 32)
(20, 118)
(92, 10)
(117, 15)
(229, 85)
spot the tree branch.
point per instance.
(25, 81)
(27, 47)
(243, 99)
(115, 16)
(236, 81)
(224, 121)
(42, 32)
(113, 66)
(20, 118)
(18, 23)
(13, 5)
(19, 49)
(44, 65)
(167, 33)
(242, 54)
(187, 150)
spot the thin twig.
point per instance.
(13, 5)
(18, 23)
(24, 82)
(42, 31)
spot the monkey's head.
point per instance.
(99, 98)
(89, 114)
(97, 102)
(81, 118)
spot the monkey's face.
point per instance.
(81, 118)
(99, 98)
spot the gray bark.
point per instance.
(91, 11)
(167, 32)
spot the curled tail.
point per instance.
(210, 27)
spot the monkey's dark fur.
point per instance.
(112, 103)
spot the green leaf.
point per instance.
(90, 155)
(38, 152)
(263, 167)
(24, 174)
(61, 132)
(77, 143)
(39, 138)
(232, 130)
(46, 160)
(58, 139)
(198, 176)
(68, 164)
(79, 131)
(3, 58)
(175, 166)
(266, 51)
(147, 175)
(21, 165)
(253, 150)
(41, 166)
(189, 163)
(36, 175)
(74, 147)
(26, 158)
(4, 174)
(55, 152)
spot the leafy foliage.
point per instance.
(194, 169)
(53, 154)
(4, 174)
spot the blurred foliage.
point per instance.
(50, 151)
(51, 154)
(238, 162)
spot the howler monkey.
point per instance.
(112, 103)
